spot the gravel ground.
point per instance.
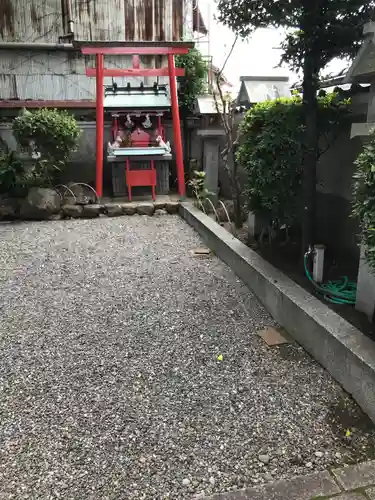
(111, 387)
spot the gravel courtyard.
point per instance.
(111, 388)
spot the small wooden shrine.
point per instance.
(138, 135)
(138, 132)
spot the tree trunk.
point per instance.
(313, 17)
(309, 163)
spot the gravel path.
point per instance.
(110, 383)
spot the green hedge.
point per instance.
(364, 198)
(272, 146)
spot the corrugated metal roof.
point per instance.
(59, 75)
(33, 21)
(198, 22)
(30, 21)
(47, 87)
(137, 99)
(28, 103)
(260, 89)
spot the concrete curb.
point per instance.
(344, 351)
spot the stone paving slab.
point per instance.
(299, 488)
(345, 483)
(356, 476)
(272, 337)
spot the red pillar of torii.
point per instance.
(135, 49)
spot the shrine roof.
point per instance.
(206, 105)
(362, 69)
(256, 89)
(137, 98)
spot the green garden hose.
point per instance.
(336, 292)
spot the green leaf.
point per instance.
(193, 83)
(271, 152)
(52, 133)
(363, 199)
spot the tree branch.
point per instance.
(228, 56)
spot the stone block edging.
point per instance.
(91, 211)
(345, 483)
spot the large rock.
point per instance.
(113, 209)
(160, 213)
(91, 211)
(84, 195)
(74, 211)
(129, 208)
(172, 207)
(40, 204)
(146, 208)
(159, 205)
(9, 208)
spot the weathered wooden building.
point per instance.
(39, 63)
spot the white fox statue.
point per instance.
(162, 144)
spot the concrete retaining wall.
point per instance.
(343, 350)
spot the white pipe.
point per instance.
(36, 46)
(70, 22)
(318, 267)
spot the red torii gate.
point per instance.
(135, 49)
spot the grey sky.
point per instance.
(257, 56)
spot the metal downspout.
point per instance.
(36, 46)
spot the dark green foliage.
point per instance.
(317, 31)
(50, 133)
(13, 178)
(364, 198)
(194, 82)
(198, 186)
(272, 148)
(272, 134)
